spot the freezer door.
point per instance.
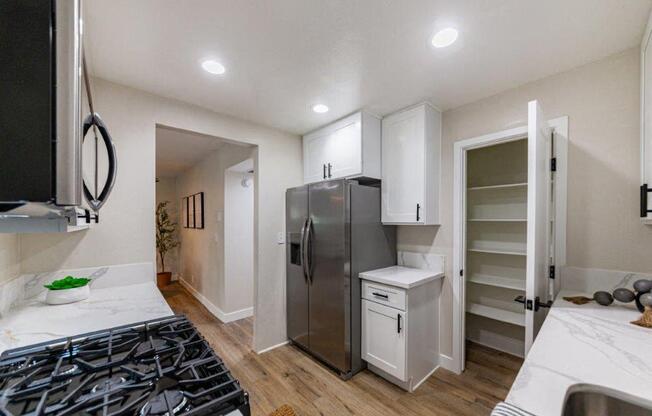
(296, 205)
(330, 291)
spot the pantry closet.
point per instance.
(509, 236)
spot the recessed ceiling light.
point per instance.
(214, 67)
(444, 37)
(320, 108)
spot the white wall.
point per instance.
(9, 257)
(126, 230)
(202, 250)
(602, 102)
(166, 190)
(238, 241)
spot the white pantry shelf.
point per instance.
(503, 186)
(497, 281)
(497, 314)
(497, 219)
(504, 252)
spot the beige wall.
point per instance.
(126, 230)
(202, 251)
(166, 190)
(602, 102)
(9, 257)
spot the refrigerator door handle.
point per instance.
(302, 249)
(308, 249)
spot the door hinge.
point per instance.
(551, 272)
(553, 164)
(461, 272)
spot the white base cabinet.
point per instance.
(400, 331)
(347, 148)
(411, 154)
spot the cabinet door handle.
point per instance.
(418, 213)
(324, 166)
(380, 295)
(398, 322)
(329, 170)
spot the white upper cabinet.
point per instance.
(646, 124)
(411, 155)
(347, 148)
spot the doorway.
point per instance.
(208, 185)
(493, 246)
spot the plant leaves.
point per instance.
(68, 282)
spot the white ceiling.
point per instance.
(283, 56)
(178, 150)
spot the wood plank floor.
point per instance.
(288, 376)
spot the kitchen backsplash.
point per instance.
(427, 261)
(27, 286)
(585, 280)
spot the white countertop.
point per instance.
(584, 344)
(33, 321)
(400, 276)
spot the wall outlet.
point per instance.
(280, 237)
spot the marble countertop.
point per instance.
(33, 321)
(588, 344)
(400, 276)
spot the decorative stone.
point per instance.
(646, 299)
(603, 298)
(643, 285)
(624, 295)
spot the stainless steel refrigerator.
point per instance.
(333, 233)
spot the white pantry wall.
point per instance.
(602, 102)
(125, 233)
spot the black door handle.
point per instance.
(380, 295)
(329, 170)
(324, 166)
(418, 209)
(398, 322)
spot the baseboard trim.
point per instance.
(212, 308)
(416, 386)
(273, 347)
(448, 363)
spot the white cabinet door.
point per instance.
(646, 121)
(384, 335)
(334, 151)
(538, 203)
(403, 162)
(344, 149)
(314, 157)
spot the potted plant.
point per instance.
(67, 290)
(165, 241)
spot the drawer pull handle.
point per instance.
(380, 295)
(398, 322)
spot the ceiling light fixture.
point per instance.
(320, 108)
(213, 67)
(444, 37)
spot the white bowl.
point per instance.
(63, 296)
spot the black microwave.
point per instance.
(42, 127)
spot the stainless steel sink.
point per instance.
(590, 400)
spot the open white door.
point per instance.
(538, 197)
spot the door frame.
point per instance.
(560, 127)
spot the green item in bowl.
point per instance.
(68, 282)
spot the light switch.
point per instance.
(280, 237)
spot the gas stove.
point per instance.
(162, 367)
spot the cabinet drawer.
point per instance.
(383, 294)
